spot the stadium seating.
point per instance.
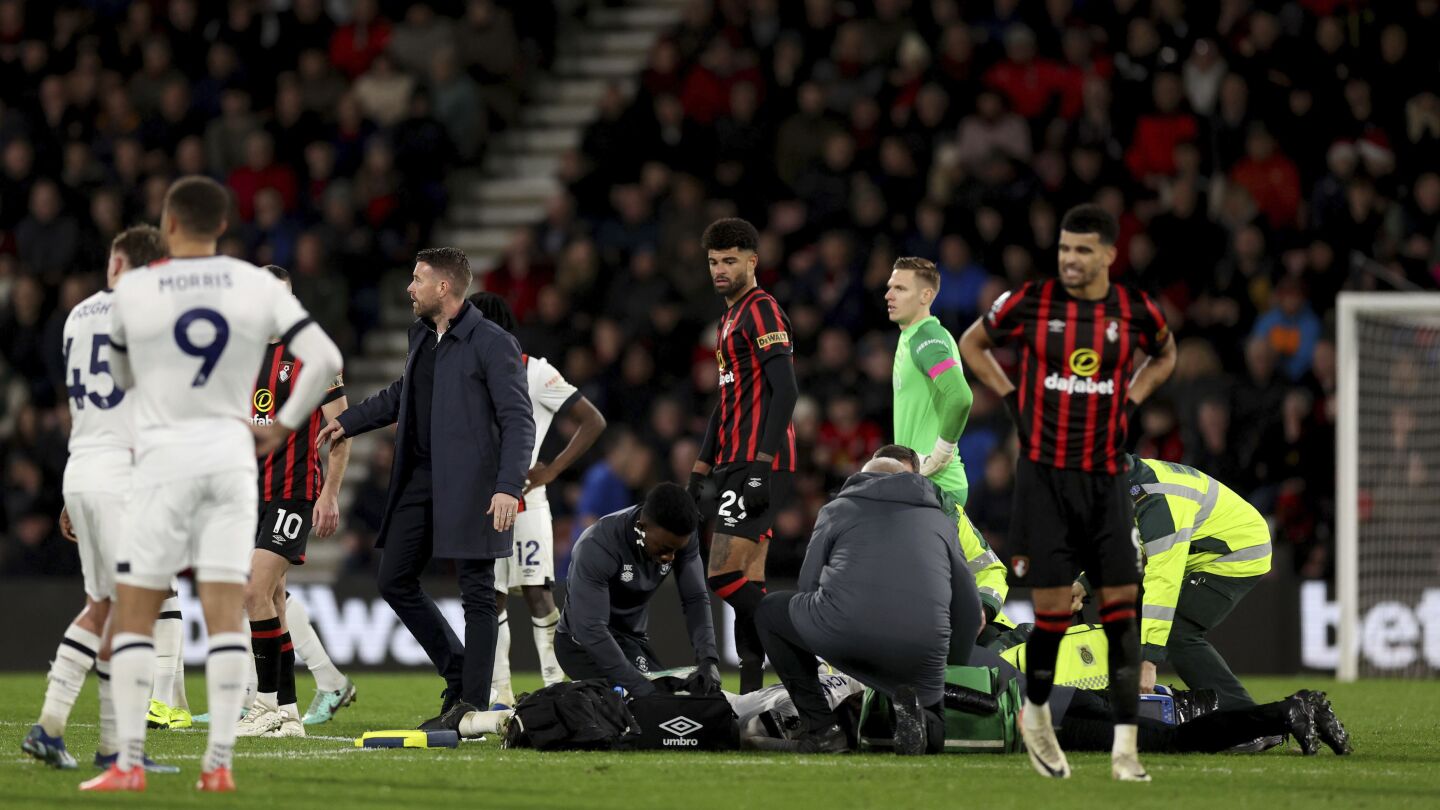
(1259, 162)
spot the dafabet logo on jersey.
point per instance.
(1084, 362)
(264, 400)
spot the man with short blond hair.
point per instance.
(932, 403)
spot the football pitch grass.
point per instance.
(1395, 726)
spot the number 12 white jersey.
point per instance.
(549, 391)
(194, 330)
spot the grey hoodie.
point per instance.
(883, 585)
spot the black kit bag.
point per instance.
(574, 716)
(669, 722)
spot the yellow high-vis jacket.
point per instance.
(989, 571)
(1189, 523)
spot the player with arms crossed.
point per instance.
(531, 571)
(97, 478)
(186, 338)
(932, 403)
(294, 489)
(1078, 338)
(749, 446)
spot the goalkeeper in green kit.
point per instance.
(932, 402)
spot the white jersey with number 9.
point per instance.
(194, 330)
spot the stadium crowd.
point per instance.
(1261, 156)
(1258, 155)
(333, 123)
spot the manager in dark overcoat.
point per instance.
(462, 449)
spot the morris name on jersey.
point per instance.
(195, 330)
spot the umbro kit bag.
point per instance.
(683, 723)
(575, 716)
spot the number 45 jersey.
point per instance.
(195, 331)
(102, 436)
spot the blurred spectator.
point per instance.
(383, 91)
(261, 171)
(1270, 177)
(1290, 328)
(457, 103)
(48, 238)
(355, 45)
(420, 35)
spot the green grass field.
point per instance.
(1396, 729)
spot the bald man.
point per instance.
(883, 593)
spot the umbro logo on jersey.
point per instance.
(1057, 326)
(279, 541)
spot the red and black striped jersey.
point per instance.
(293, 472)
(752, 331)
(1076, 361)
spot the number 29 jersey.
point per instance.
(195, 330)
(102, 436)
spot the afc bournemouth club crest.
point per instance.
(1020, 565)
(285, 371)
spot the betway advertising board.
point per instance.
(1279, 628)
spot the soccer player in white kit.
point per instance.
(531, 569)
(97, 478)
(186, 337)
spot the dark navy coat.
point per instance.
(482, 432)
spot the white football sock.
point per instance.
(106, 746)
(73, 660)
(544, 630)
(167, 650)
(252, 677)
(309, 649)
(473, 724)
(132, 676)
(1126, 736)
(224, 685)
(181, 700)
(500, 680)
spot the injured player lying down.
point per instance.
(769, 720)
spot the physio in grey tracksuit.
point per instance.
(602, 632)
(882, 592)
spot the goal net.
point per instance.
(1388, 485)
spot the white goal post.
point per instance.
(1387, 493)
